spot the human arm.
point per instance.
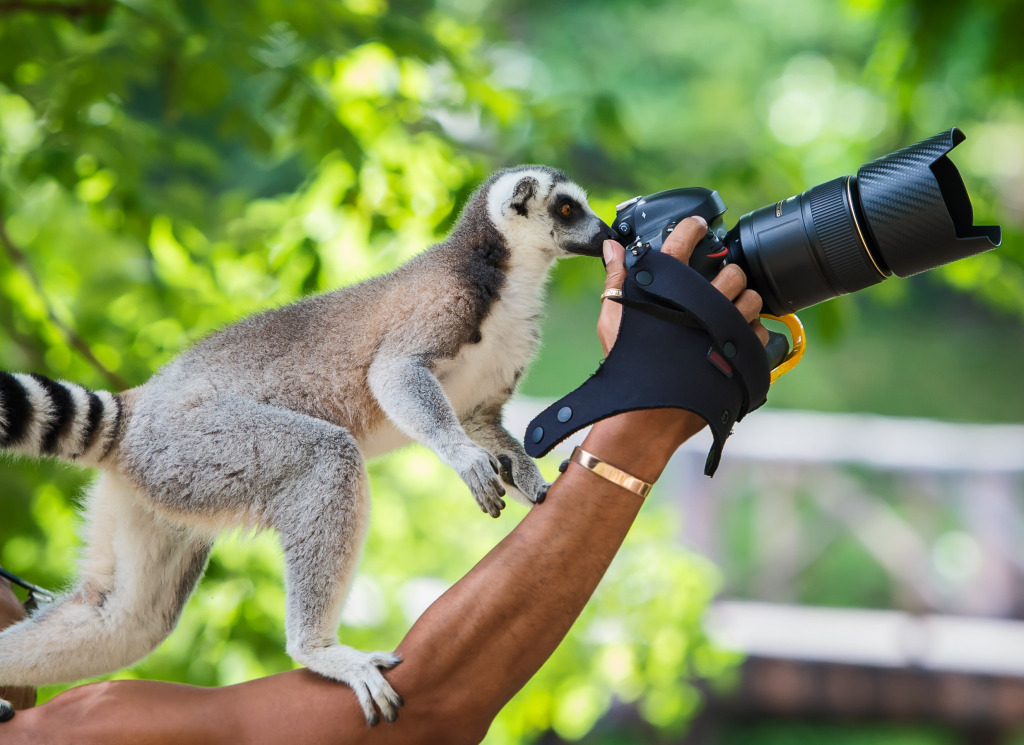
(468, 653)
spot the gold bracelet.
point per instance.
(610, 472)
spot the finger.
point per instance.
(684, 237)
(608, 324)
(748, 303)
(611, 312)
(731, 281)
(614, 265)
(760, 330)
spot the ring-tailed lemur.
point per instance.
(268, 422)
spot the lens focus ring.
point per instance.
(845, 254)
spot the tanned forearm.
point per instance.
(538, 579)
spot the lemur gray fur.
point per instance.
(267, 423)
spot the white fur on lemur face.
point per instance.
(539, 208)
(268, 423)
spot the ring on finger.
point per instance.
(612, 293)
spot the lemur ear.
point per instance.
(523, 193)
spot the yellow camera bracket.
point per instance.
(796, 332)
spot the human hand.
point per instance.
(12, 611)
(731, 281)
(643, 440)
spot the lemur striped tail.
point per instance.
(39, 417)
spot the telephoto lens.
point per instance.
(902, 214)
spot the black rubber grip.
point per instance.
(681, 344)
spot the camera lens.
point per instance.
(806, 249)
(904, 213)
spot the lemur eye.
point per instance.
(566, 209)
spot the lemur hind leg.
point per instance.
(518, 470)
(225, 460)
(321, 518)
(136, 574)
(319, 569)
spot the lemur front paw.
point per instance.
(520, 472)
(479, 469)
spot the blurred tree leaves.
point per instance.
(166, 168)
(175, 144)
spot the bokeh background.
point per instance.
(169, 167)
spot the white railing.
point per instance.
(938, 506)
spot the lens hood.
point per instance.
(917, 210)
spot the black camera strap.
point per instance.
(681, 344)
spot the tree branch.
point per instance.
(19, 258)
(71, 11)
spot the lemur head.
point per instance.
(538, 208)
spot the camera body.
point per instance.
(644, 223)
(902, 214)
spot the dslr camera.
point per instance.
(902, 214)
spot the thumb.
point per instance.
(611, 313)
(614, 264)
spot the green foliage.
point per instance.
(166, 168)
(190, 164)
